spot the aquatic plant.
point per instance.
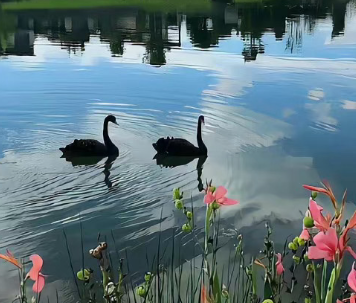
(319, 252)
(34, 274)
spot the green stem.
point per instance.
(335, 274)
(207, 227)
(330, 292)
(317, 284)
(323, 281)
(105, 279)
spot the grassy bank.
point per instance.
(159, 5)
(150, 5)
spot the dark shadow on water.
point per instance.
(89, 161)
(171, 162)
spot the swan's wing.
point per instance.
(181, 147)
(86, 145)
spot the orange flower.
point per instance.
(9, 257)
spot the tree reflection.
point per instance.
(160, 32)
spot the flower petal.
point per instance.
(327, 241)
(36, 268)
(317, 216)
(209, 198)
(352, 252)
(353, 298)
(305, 235)
(314, 253)
(352, 222)
(319, 207)
(39, 284)
(351, 278)
(279, 265)
(228, 201)
(11, 260)
(220, 192)
(317, 189)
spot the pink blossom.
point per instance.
(321, 222)
(35, 273)
(219, 197)
(305, 235)
(279, 265)
(328, 246)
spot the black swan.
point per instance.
(181, 147)
(92, 148)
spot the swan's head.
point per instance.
(111, 119)
(201, 119)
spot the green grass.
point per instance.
(151, 5)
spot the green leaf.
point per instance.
(330, 292)
(216, 288)
(323, 281)
(268, 293)
(83, 275)
(317, 284)
(254, 278)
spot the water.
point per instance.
(276, 85)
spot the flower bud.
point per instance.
(308, 222)
(187, 228)
(296, 259)
(225, 294)
(267, 301)
(215, 205)
(110, 289)
(314, 194)
(292, 246)
(189, 215)
(301, 242)
(148, 276)
(310, 268)
(179, 204)
(141, 291)
(212, 189)
(176, 194)
(295, 240)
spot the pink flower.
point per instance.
(305, 235)
(351, 278)
(219, 197)
(328, 246)
(35, 273)
(279, 265)
(321, 222)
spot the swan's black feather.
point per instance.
(88, 147)
(176, 147)
(181, 147)
(92, 148)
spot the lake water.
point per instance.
(277, 87)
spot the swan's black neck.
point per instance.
(107, 141)
(201, 144)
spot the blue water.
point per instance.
(274, 121)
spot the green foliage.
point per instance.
(150, 5)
